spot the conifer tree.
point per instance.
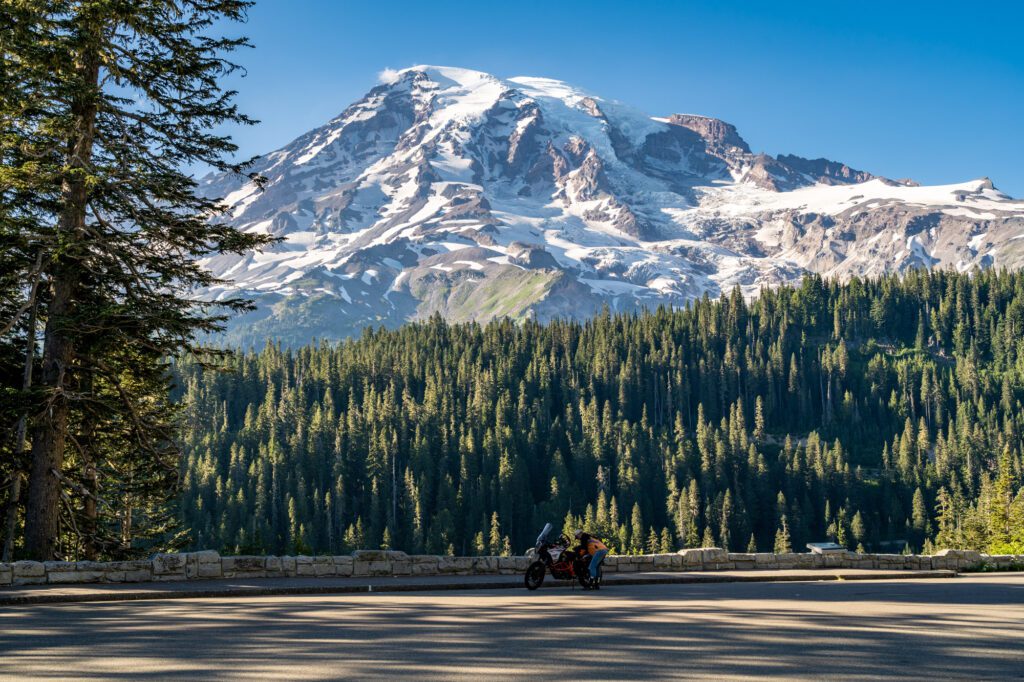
(783, 544)
(124, 97)
(478, 428)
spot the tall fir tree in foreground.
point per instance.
(106, 103)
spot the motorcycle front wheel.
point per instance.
(534, 575)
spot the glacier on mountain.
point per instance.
(452, 191)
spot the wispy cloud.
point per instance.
(388, 76)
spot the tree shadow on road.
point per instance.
(790, 630)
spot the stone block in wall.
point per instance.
(663, 562)
(835, 559)
(273, 566)
(424, 564)
(28, 569)
(786, 560)
(969, 559)
(766, 560)
(722, 566)
(960, 559)
(323, 566)
(191, 566)
(522, 563)
(691, 557)
(6, 574)
(401, 568)
(304, 565)
(343, 565)
(139, 576)
(644, 562)
(1000, 561)
(245, 566)
(485, 564)
(713, 555)
(65, 577)
(888, 561)
(370, 555)
(742, 560)
(360, 569)
(135, 571)
(169, 564)
(860, 560)
(454, 564)
(28, 573)
(380, 568)
(204, 558)
(805, 560)
(130, 565)
(396, 555)
(626, 567)
(289, 566)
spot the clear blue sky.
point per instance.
(927, 90)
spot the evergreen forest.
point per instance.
(884, 414)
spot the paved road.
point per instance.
(253, 587)
(967, 627)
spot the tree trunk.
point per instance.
(11, 522)
(49, 433)
(90, 525)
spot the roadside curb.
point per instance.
(610, 581)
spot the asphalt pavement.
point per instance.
(246, 587)
(970, 627)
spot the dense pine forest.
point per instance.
(883, 414)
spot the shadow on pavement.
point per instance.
(930, 629)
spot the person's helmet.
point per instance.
(577, 534)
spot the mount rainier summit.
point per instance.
(453, 191)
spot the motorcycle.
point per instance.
(561, 562)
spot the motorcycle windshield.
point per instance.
(543, 534)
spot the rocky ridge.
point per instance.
(453, 191)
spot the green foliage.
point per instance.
(104, 105)
(816, 412)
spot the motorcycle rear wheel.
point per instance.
(586, 581)
(534, 575)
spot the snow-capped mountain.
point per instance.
(453, 191)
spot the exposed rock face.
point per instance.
(825, 171)
(716, 133)
(452, 191)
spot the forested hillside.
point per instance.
(881, 413)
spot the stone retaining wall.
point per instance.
(364, 563)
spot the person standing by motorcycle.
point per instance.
(595, 548)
